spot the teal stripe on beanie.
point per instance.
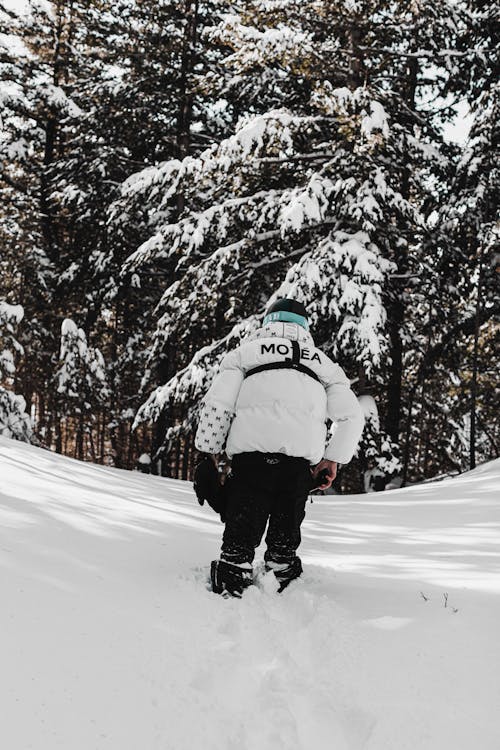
(284, 316)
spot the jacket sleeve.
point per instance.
(344, 410)
(219, 405)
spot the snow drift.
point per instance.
(110, 639)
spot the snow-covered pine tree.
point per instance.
(228, 253)
(80, 115)
(475, 223)
(194, 120)
(454, 309)
(131, 98)
(36, 108)
(321, 198)
(82, 387)
(14, 420)
(162, 80)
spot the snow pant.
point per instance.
(266, 487)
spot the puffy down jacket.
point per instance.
(274, 394)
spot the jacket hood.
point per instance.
(291, 331)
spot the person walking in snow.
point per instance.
(267, 408)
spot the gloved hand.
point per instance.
(208, 486)
(222, 464)
(325, 472)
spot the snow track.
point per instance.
(271, 668)
(110, 639)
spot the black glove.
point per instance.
(208, 487)
(320, 479)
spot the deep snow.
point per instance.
(109, 638)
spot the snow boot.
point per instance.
(285, 573)
(229, 579)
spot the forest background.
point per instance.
(169, 168)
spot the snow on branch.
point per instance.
(14, 421)
(342, 279)
(83, 370)
(358, 109)
(272, 46)
(217, 170)
(190, 383)
(10, 317)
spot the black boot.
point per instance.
(285, 573)
(229, 579)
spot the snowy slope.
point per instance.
(109, 639)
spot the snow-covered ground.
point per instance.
(109, 638)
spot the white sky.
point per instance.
(459, 130)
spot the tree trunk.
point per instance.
(396, 306)
(166, 366)
(473, 390)
(48, 220)
(356, 67)
(187, 64)
(188, 59)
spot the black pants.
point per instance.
(265, 487)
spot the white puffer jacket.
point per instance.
(280, 410)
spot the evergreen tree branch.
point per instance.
(465, 327)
